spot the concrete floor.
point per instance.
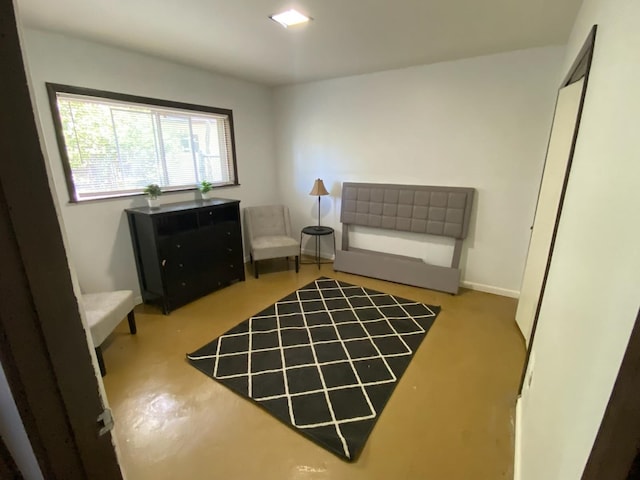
(450, 417)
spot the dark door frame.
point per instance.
(617, 443)
(43, 345)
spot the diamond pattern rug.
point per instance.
(324, 359)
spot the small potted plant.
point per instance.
(152, 191)
(205, 189)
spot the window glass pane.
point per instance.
(91, 144)
(207, 134)
(176, 141)
(139, 162)
(115, 147)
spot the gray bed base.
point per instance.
(443, 211)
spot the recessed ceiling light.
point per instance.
(289, 18)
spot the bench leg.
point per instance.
(255, 268)
(103, 370)
(297, 264)
(132, 322)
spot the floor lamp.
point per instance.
(319, 190)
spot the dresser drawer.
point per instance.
(231, 270)
(207, 217)
(229, 251)
(182, 290)
(227, 232)
(175, 268)
(182, 247)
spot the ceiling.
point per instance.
(346, 37)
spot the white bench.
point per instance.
(104, 312)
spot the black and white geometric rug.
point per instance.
(324, 359)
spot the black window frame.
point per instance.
(54, 88)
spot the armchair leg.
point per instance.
(132, 322)
(103, 370)
(297, 264)
(251, 258)
(255, 268)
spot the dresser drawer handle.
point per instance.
(210, 213)
(231, 266)
(164, 262)
(229, 249)
(180, 265)
(177, 245)
(228, 233)
(184, 284)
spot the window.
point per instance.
(114, 145)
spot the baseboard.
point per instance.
(312, 253)
(490, 289)
(517, 441)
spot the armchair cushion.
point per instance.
(104, 311)
(274, 246)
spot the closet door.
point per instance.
(549, 197)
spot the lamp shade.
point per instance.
(318, 188)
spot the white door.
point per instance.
(562, 133)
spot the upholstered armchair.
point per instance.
(104, 311)
(268, 231)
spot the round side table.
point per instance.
(318, 231)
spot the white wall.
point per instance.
(592, 294)
(14, 435)
(481, 122)
(99, 242)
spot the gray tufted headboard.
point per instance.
(414, 208)
(432, 210)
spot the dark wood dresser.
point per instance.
(186, 250)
